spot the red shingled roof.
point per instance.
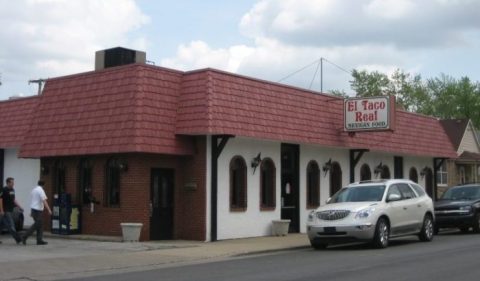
(15, 118)
(231, 104)
(123, 109)
(141, 108)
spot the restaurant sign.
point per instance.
(369, 114)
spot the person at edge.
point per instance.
(9, 202)
(39, 203)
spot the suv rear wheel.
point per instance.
(382, 234)
(426, 234)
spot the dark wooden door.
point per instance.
(290, 204)
(161, 204)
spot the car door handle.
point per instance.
(405, 208)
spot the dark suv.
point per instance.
(459, 207)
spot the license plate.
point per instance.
(329, 230)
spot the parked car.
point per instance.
(459, 207)
(18, 219)
(373, 211)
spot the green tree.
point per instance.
(369, 84)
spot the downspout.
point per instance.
(217, 149)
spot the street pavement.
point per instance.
(73, 256)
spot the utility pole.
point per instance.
(40, 84)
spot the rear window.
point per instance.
(418, 189)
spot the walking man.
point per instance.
(9, 202)
(39, 203)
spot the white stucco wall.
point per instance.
(26, 174)
(254, 222)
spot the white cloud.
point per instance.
(197, 54)
(380, 35)
(47, 38)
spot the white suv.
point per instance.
(373, 211)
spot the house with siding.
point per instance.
(209, 155)
(465, 168)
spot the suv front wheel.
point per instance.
(382, 234)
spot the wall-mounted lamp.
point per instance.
(123, 166)
(379, 169)
(44, 170)
(423, 172)
(327, 167)
(256, 161)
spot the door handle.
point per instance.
(151, 209)
(405, 208)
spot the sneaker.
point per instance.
(42, 243)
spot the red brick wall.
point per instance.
(189, 205)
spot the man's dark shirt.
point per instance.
(8, 198)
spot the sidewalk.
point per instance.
(80, 256)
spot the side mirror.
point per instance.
(393, 197)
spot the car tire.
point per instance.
(382, 234)
(426, 234)
(476, 223)
(318, 245)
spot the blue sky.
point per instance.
(266, 39)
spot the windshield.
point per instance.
(462, 193)
(359, 194)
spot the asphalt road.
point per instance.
(449, 257)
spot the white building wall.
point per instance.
(26, 173)
(254, 222)
(251, 222)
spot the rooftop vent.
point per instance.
(118, 56)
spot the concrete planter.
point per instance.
(280, 227)
(131, 231)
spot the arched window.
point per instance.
(335, 178)
(385, 174)
(313, 185)
(84, 181)
(238, 184)
(413, 175)
(365, 173)
(59, 175)
(267, 184)
(112, 183)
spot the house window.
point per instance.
(112, 184)
(85, 181)
(238, 184)
(442, 174)
(59, 173)
(413, 175)
(365, 173)
(267, 184)
(313, 185)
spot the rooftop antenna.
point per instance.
(40, 84)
